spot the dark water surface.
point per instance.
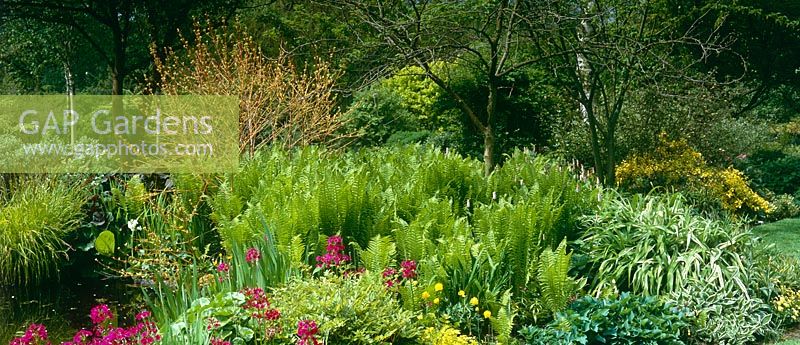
(63, 306)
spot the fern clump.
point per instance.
(555, 284)
(485, 235)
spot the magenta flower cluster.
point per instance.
(218, 341)
(334, 254)
(100, 314)
(408, 270)
(144, 332)
(252, 255)
(389, 276)
(257, 303)
(223, 267)
(36, 334)
(306, 332)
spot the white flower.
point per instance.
(133, 224)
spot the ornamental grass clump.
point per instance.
(655, 245)
(35, 218)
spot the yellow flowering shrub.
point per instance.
(788, 304)
(446, 335)
(675, 165)
(734, 192)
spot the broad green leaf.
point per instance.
(104, 243)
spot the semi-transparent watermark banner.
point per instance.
(103, 134)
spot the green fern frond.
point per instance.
(503, 323)
(379, 254)
(555, 284)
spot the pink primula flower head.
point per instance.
(409, 269)
(306, 331)
(223, 267)
(100, 314)
(252, 255)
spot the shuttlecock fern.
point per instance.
(503, 323)
(379, 253)
(555, 284)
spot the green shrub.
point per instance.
(704, 116)
(349, 310)
(407, 137)
(36, 215)
(655, 245)
(627, 319)
(772, 170)
(377, 113)
(783, 206)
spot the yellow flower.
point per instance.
(487, 314)
(419, 317)
(436, 300)
(438, 287)
(473, 301)
(461, 293)
(425, 295)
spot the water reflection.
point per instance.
(63, 307)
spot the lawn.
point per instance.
(785, 234)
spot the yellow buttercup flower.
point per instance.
(436, 300)
(425, 295)
(473, 301)
(438, 287)
(487, 314)
(461, 293)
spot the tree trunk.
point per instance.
(609, 178)
(118, 71)
(586, 97)
(488, 131)
(588, 114)
(70, 88)
(488, 151)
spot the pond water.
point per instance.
(63, 306)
